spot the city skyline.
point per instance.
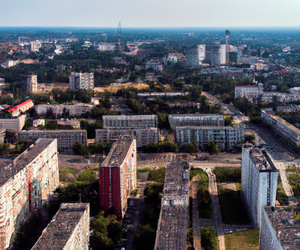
(159, 14)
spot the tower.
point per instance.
(227, 35)
(119, 37)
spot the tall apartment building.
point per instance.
(61, 109)
(123, 121)
(194, 55)
(259, 181)
(222, 52)
(290, 133)
(117, 176)
(173, 218)
(224, 136)
(25, 183)
(143, 136)
(29, 83)
(248, 91)
(65, 138)
(81, 81)
(196, 120)
(279, 230)
(69, 229)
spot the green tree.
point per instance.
(212, 147)
(80, 149)
(191, 147)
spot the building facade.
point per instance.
(247, 91)
(196, 120)
(143, 136)
(224, 136)
(29, 83)
(279, 229)
(194, 56)
(173, 218)
(69, 229)
(65, 138)
(64, 109)
(25, 183)
(123, 121)
(290, 133)
(259, 181)
(15, 123)
(117, 176)
(81, 81)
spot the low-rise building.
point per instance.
(69, 229)
(224, 136)
(131, 121)
(279, 229)
(248, 91)
(13, 123)
(117, 177)
(25, 183)
(64, 109)
(81, 81)
(21, 107)
(65, 138)
(286, 130)
(259, 181)
(196, 120)
(143, 136)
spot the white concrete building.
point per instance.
(224, 136)
(29, 83)
(81, 81)
(125, 121)
(222, 52)
(195, 55)
(196, 120)
(248, 91)
(15, 123)
(61, 109)
(143, 136)
(259, 181)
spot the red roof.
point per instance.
(19, 105)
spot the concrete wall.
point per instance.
(15, 124)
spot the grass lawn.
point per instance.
(245, 240)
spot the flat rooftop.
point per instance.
(61, 227)
(262, 161)
(118, 152)
(129, 116)
(207, 127)
(287, 228)
(53, 131)
(196, 115)
(8, 168)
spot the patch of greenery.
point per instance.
(204, 200)
(246, 240)
(161, 147)
(281, 196)
(208, 239)
(228, 174)
(64, 173)
(157, 175)
(250, 138)
(198, 171)
(144, 170)
(294, 180)
(211, 147)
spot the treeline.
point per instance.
(161, 147)
(95, 148)
(227, 174)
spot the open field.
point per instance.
(244, 240)
(116, 87)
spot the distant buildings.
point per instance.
(248, 91)
(196, 120)
(161, 94)
(279, 229)
(143, 135)
(35, 45)
(194, 56)
(81, 81)
(173, 218)
(29, 83)
(287, 131)
(25, 183)
(9, 63)
(117, 176)
(259, 181)
(156, 65)
(131, 121)
(105, 47)
(65, 138)
(69, 229)
(64, 109)
(223, 136)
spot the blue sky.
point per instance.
(151, 13)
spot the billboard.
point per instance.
(201, 52)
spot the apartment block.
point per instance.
(64, 109)
(25, 183)
(68, 229)
(224, 136)
(290, 133)
(279, 230)
(173, 218)
(195, 55)
(65, 138)
(29, 83)
(117, 176)
(248, 91)
(196, 120)
(123, 121)
(81, 81)
(259, 181)
(13, 123)
(143, 136)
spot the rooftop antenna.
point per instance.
(119, 37)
